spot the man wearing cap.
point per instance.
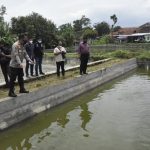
(16, 66)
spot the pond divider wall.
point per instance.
(14, 110)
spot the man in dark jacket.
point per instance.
(29, 46)
(38, 55)
(5, 60)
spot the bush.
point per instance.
(123, 54)
(145, 56)
(103, 40)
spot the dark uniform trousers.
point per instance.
(16, 73)
(83, 63)
(5, 71)
(59, 65)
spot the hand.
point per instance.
(21, 65)
(31, 62)
(2, 54)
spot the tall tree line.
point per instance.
(36, 26)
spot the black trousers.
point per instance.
(27, 68)
(5, 71)
(16, 73)
(60, 65)
(38, 65)
(83, 63)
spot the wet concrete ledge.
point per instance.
(14, 110)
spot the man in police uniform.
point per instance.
(16, 66)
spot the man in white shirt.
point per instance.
(59, 53)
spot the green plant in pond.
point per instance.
(144, 56)
(123, 54)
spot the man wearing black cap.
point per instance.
(16, 67)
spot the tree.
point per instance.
(66, 34)
(90, 33)
(36, 26)
(4, 27)
(117, 28)
(102, 28)
(80, 25)
(115, 19)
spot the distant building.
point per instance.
(145, 28)
(126, 31)
(134, 34)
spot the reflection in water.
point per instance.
(63, 120)
(85, 115)
(116, 116)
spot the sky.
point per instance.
(130, 13)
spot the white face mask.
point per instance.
(40, 41)
(31, 41)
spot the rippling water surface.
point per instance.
(115, 116)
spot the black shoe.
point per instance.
(12, 94)
(23, 91)
(85, 73)
(42, 73)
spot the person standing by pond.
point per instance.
(29, 46)
(60, 53)
(16, 65)
(38, 55)
(84, 53)
(5, 51)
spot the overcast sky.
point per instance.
(130, 13)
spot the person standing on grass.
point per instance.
(84, 53)
(5, 51)
(59, 53)
(29, 46)
(38, 55)
(16, 65)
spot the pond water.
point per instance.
(115, 116)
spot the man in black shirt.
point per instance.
(38, 55)
(5, 51)
(29, 46)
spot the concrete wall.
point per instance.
(14, 110)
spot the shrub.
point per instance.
(123, 54)
(145, 56)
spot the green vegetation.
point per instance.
(101, 54)
(103, 40)
(144, 56)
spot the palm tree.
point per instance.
(114, 18)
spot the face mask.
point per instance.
(31, 41)
(40, 41)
